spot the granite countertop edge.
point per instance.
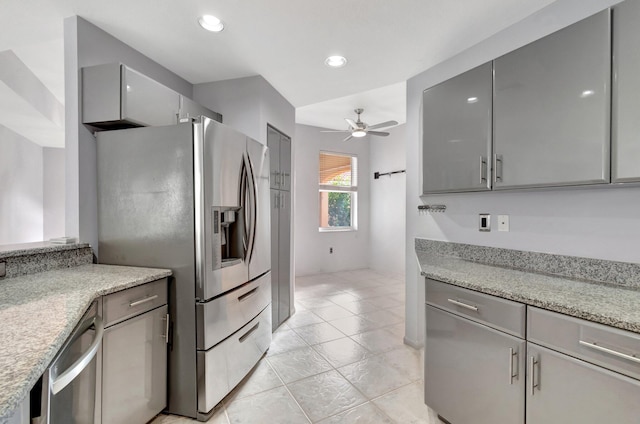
(592, 301)
(11, 251)
(93, 281)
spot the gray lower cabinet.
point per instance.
(456, 133)
(134, 354)
(567, 370)
(563, 389)
(281, 256)
(625, 143)
(473, 373)
(551, 109)
(280, 182)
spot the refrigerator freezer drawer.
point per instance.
(220, 317)
(222, 367)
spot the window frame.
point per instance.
(328, 188)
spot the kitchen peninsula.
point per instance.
(46, 290)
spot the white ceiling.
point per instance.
(286, 41)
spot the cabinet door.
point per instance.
(472, 373)
(562, 389)
(191, 109)
(275, 271)
(285, 163)
(626, 92)
(134, 369)
(456, 133)
(147, 102)
(273, 143)
(551, 108)
(284, 257)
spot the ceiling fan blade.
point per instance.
(348, 138)
(335, 131)
(381, 133)
(383, 125)
(351, 123)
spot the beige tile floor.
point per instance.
(339, 359)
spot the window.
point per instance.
(338, 188)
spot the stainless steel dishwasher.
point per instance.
(69, 385)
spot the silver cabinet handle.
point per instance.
(483, 169)
(610, 351)
(464, 305)
(83, 361)
(248, 333)
(166, 329)
(141, 301)
(532, 370)
(248, 294)
(497, 175)
(513, 353)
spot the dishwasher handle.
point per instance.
(66, 377)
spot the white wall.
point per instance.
(387, 207)
(350, 248)
(583, 222)
(21, 207)
(53, 192)
(87, 45)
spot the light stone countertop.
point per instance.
(39, 247)
(617, 306)
(38, 313)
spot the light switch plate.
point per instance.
(503, 222)
(484, 222)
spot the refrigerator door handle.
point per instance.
(243, 204)
(251, 208)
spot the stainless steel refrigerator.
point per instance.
(194, 197)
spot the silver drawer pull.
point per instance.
(464, 305)
(141, 301)
(248, 333)
(247, 294)
(610, 351)
(532, 373)
(512, 353)
(167, 323)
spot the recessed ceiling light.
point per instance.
(587, 93)
(211, 23)
(472, 100)
(359, 133)
(335, 61)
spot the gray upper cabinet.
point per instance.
(191, 109)
(116, 96)
(457, 133)
(551, 108)
(626, 92)
(280, 154)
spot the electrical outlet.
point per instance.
(503, 222)
(484, 223)
(331, 250)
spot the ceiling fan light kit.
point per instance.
(359, 129)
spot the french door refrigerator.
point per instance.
(194, 197)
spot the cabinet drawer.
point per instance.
(220, 317)
(136, 300)
(612, 348)
(222, 367)
(502, 314)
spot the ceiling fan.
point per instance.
(360, 129)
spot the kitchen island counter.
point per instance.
(615, 305)
(38, 313)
